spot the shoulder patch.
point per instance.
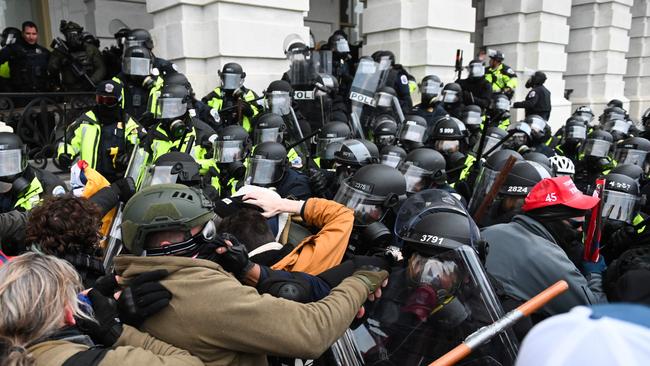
(510, 71)
(404, 79)
(531, 94)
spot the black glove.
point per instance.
(108, 328)
(122, 161)
(65, 160)
(318, 182)
(234, 260)
(144, 297)
(107, 285)
(124, 188)
(247, 110)
(622, 238)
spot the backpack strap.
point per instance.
(89, 357)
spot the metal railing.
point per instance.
(41, 119)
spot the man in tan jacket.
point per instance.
(211, 314)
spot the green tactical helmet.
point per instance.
(162, 207)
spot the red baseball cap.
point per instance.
(558, 191)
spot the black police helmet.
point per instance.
(633, 171)
(175, 91)
(600, 135)
(177, 78)
(615, 103)
(380, 180)
(496, 132)
(357, 152)
(233, 133)
(453, 87)
(428, 159)
(498, 55)
(394, 151)
(498, 159)
(335, 129)
(10, 141)
(138, 51)
(637, 143)
(279, 85)
(270, 150)
(621, 183)
(448, 128)
(142, 36)
(232, 68)
(523, 177)
(538, 158)
(269, 120)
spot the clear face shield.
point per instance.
(228, 151)
(136, 66)
(412, 131)
(537, 126)
(322, 145)
(384, 100)
(367, 207)
(279, 102)
(490, 142)
(264, 172)
(267, 134)
(619, 126)
(483, 185)
(167, 108)
(447, 146)
(342, 46)
(596, 148)
(159, 175)
(13, 162)
(450, 96)
(502, 103)
(576, 133)
(476, 70)
(619, 206)
(431, 88)
(632, 156)
(614, 116)
(391, 160)
(231, 81)
(417, 179)
(472, 119)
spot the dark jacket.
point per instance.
(476, 91)
(526, 259)
(28, 65)
(88, 59)
(538, 101)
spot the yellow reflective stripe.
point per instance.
(5, 73)
(31, 198)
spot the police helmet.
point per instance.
(575, 130)
(633, 171)
(232, 76)
(451, 93)
(621, 197)
(384, 130)
(173, 102)
(615, 103)
(634, 150)
(139, 37)
(166, 207)
(597, 144)
(645, 119)
(523, 177)
(384, 97)
(493, 136)
(371, 192)
(472, 117)
(422, 168)
(137, 61)
(476, 69)
(232, 144)
(447, 134)
(268, 163)
(538, 158)
(498, 55)
(13, 154)
(357, 152)
(379, 56)
(326, 84)
(173, 167)
(413, 132)
(268, 127)
(338, 43)
(331, 132)
(430, 88)
(392, 156)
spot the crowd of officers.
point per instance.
(244, 229)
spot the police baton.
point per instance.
(485, 334)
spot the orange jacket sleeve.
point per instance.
(324, 250)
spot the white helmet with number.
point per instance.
(562, 165)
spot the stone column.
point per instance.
(637, 77)
(423, 34)
(200, 36)
(598, 42)
(533, 35)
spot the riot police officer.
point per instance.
(237, 102)
(137, 79)
(78, 64)
(634, 150)
(230, 149)
(342, 65)
(268, 167)
(392, 156)
(398, 79)
(104, 136)
(27, 61)
(413, 133)
(452, 100)
(113, 55)
(476, 90)
(21, 185)
(430, 108)
(501, 76)
(593, 160)
(142, 37)
(384, 130)
(354, 154)
(538, 99)
(424, 168)
(9, 36)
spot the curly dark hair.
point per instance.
(64, 225)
